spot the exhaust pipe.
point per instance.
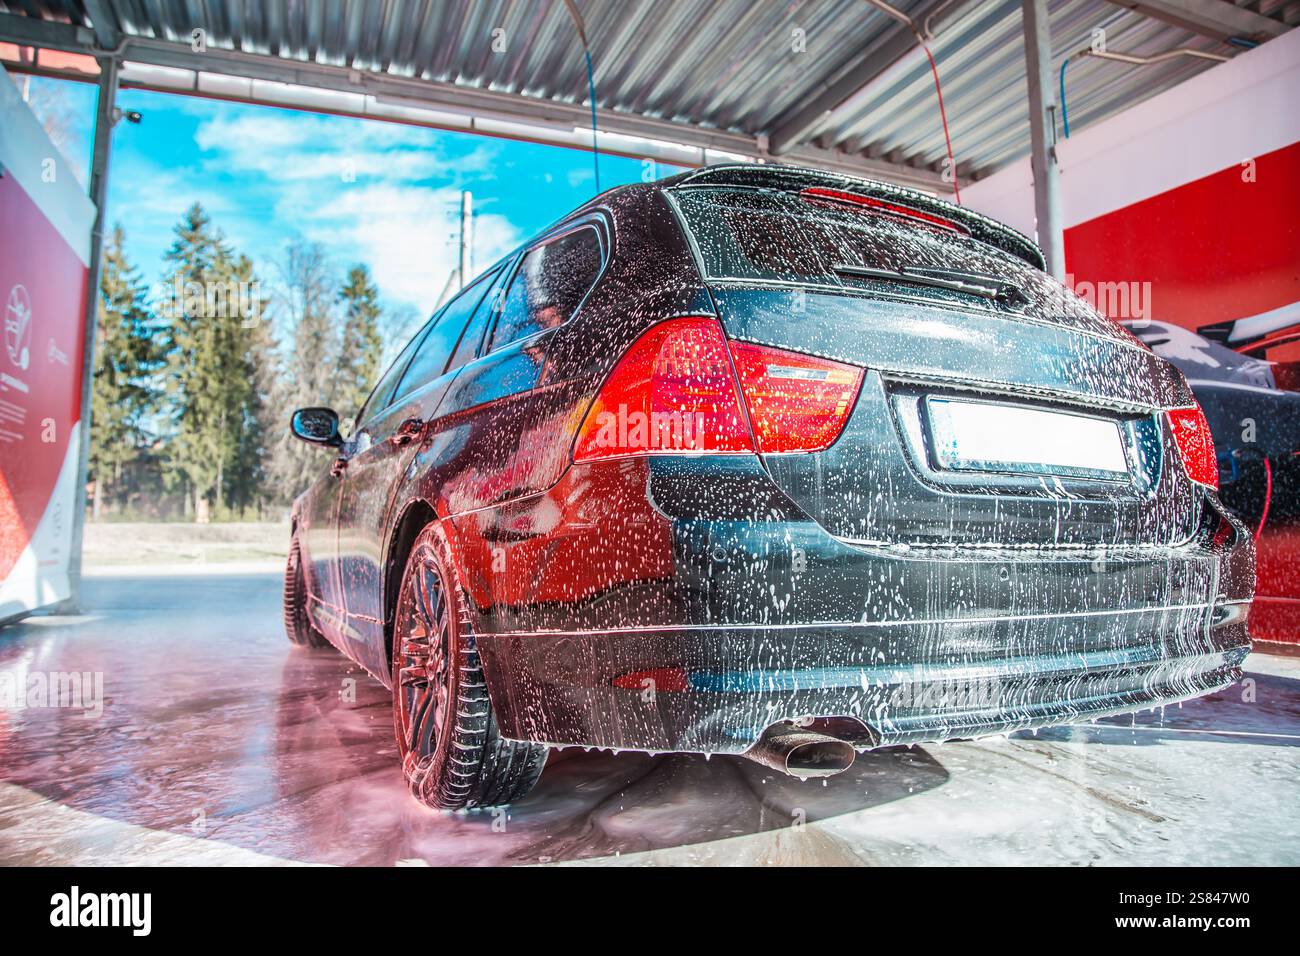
(801, 753)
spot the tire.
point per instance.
(452, 753)
(297, 624)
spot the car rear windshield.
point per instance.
(747, 234)
(795, 237)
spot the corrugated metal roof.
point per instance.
(732, 65)
(981, 61)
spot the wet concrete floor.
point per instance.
(220, 743)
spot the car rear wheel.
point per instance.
(297, 624)
(452, 753)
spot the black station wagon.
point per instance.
(765, 461)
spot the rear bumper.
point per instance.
(698, 625)
(715, 691)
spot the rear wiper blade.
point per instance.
(988, 287)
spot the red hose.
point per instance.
(943, 115)
(1268, 496)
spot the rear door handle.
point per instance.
(408, 431)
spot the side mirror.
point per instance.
(320, 426)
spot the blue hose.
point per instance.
(1065, 117)
(591, 86)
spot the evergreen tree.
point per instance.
(209, 373)
(229, 390)
(252, 385)
(123, 393)
(361, 346)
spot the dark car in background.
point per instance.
(1246, 375)
(760, 460)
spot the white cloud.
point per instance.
(408, 237)
(380, 193)
(577, 177)
(159, 191)
(290, 146)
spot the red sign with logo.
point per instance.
(45, 221)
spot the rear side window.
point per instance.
(548, 285)
(382, 395)
(434, 352)
(467, 350)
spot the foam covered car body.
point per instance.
(757, 449)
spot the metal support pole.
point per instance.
(1042, 109)
(466, 238)
(104, 119)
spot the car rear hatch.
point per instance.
(996, 407)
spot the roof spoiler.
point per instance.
(1251, 329)
(796, 178)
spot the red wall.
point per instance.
(1215, 249)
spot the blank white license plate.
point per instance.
(984, 436)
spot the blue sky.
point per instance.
(379, 193)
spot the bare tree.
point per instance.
(49, 101)
(307, 314)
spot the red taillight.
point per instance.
(796, 402)
(1195, 446)
(674, 391)
(893, 209)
